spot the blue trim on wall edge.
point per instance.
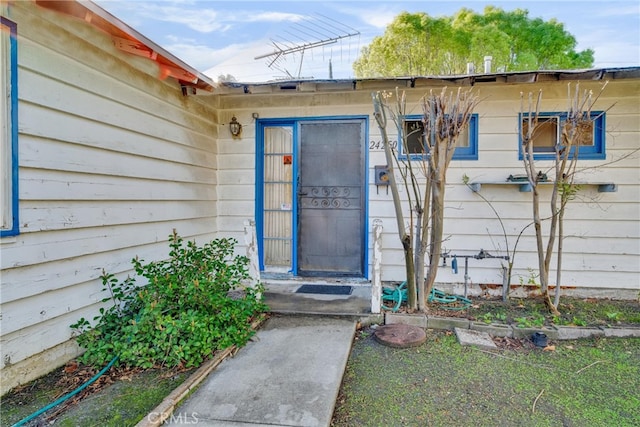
(13, 57)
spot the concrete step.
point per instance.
(281, 297)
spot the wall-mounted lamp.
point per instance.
(235, 127)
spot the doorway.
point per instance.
(311, 198)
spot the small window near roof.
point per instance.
(413, 128)
(590, 142)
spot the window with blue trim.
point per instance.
(413, 128)
(547, 135)
(9, 126)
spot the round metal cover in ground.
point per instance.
(400, 336)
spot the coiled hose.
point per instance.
(398, 294)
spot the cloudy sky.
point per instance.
(224, 37)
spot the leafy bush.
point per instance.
(190, 306)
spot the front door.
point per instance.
(331, 198)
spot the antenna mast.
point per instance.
(322, 30)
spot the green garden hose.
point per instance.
(67, 396)
(398, 294)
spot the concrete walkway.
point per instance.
(288, 375)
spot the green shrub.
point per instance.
(184, 312)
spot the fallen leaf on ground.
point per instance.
(549, 348)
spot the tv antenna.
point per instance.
(306, 34)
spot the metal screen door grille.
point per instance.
(331, 198)
(278, 186)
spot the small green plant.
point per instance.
(614, 316)
(183, 313)
(531, 279)
(536, 320)
(578, 322)
(559, 320)
(491, 317)
(487, 317)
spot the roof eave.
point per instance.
(131, 41)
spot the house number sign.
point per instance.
(379, 145)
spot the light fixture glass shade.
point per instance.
(235, 127)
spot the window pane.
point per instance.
(414, 132)
(278, 195)
(585, 137)
(278, 139)
(277, 252)
(545, 134)
(463, 138)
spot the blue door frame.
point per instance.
(261, 124)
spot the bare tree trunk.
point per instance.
(556, 298)
(423, 295)
(437, 229)
(445, 117)
(405, 238)
(419, 259)
(533, 178)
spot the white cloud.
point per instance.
(195, 15)
(271, 17)
(375, 15)
(200, 56)
(238, 60)
(607, 54)
(201, 20)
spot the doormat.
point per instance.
(325, 289)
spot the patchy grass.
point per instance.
(587, 382)
(126, 402)
(531, 312)
(120, 397)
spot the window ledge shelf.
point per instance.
(525, 187)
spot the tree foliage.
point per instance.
(419, 44)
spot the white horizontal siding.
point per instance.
(602, 244)
(47, 184)
(68, 156)
(112, 159)
(55, 215)
(45, 247)
(37, 339)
